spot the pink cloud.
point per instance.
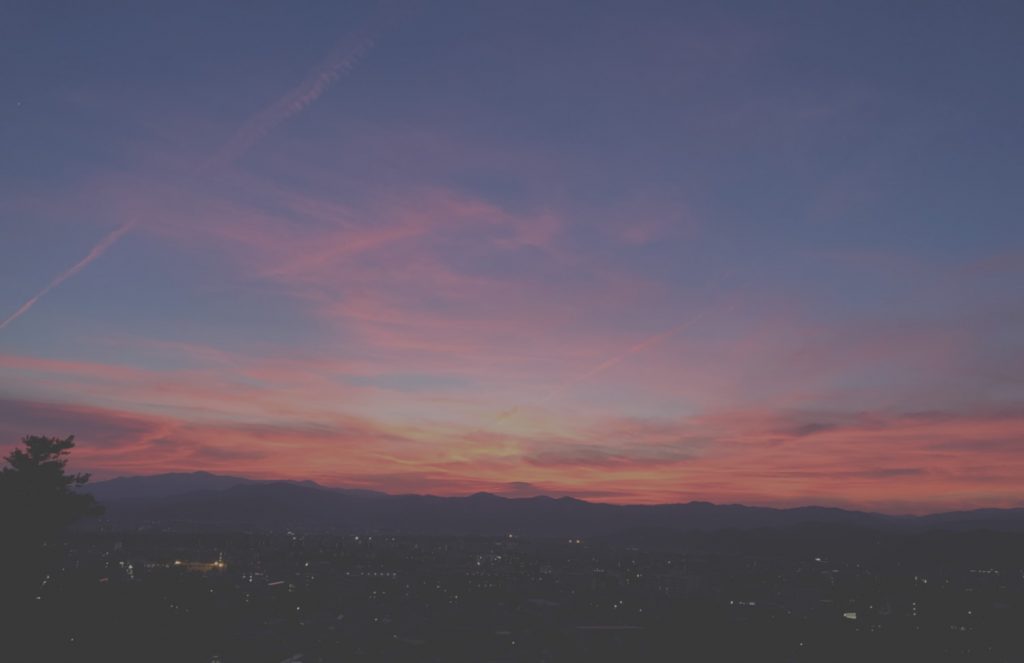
(889, 461)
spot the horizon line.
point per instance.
(809, 505)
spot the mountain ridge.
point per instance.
(202, 500)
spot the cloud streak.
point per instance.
(886, 461)
(632, 350)
(339, 62)
(342, 58)
(95, 253)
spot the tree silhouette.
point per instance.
(37, 500)
(37, 497)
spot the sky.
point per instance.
(633, 252)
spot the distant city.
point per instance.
(814, 590)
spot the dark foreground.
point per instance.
(802, 594)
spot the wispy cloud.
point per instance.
(608, 363)
(340, 61)
(342, 58)
(632, 350)
(95, 253)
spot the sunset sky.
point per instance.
(769, 253)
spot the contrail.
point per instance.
(96, 252)
(633, 349)
(338, 62)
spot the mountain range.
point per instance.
(201, 500)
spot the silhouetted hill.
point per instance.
(180, 483)
(997, 519)
(205, 501)
(160, 485)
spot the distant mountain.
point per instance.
(180, 483)
(160, 485)
(203, 501)
(996, 519)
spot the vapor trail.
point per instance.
(633, 349)
(96, 252)
(338, 62)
